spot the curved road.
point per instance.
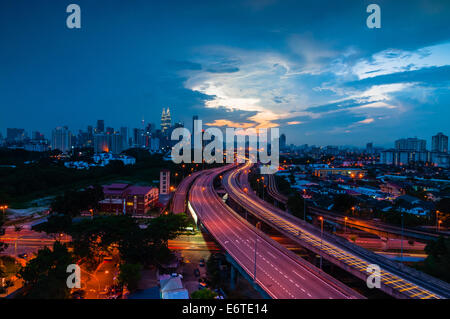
(236, 184)
(279, 272)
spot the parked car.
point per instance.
(202, 262)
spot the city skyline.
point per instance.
(323, 77)
(429, 140)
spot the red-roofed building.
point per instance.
(392, 189)
(129, 199)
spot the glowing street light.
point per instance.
(3, 208)
(437, 220)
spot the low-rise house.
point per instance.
(128, 199)
(171, 287)
(392, 189)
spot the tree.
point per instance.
(438, 261)
(3, 245)
(8, 268)
(129, 275)
(56, 223)
(204, 294)
(213, 269)
(283, 185)
(45, 276)
(73, 202)
(166, 227)
(443, 206)
(295, 205)
(344, 202)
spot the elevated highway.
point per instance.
(275, 269)
(179, 199)
(396, 279)
(373, 226)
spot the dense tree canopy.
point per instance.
(129, 275)
(295, 205)
(73, 202)
(144, 244)
(438, 261)
(204, 294)
(344, 203)
(45, 276)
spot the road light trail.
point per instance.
(275, 264)
(290, 225)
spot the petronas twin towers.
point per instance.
(166, 120)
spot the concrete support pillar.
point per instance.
(233, 278)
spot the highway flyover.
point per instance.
(396, 279)
(279, 272)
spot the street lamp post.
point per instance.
(304, 205)
(439, 225)
(263, 186)
(3, 208)
(345, 224)
(254, 272)
(321, 238)
(401, 250)
(437, 220)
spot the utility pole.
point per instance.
(321, 238)
(304, 209)
(437, 220)
(401, 250)
(345, 224)
(254, 272)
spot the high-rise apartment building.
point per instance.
(439, 143)
(115, 143)
(411, 144)
(282, 142)
(101, 143)
(61, 139)
(124, 133)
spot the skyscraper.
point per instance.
(439, 143)
(15, 134)
(115, 143)
(124, 133)
(282, 141)
(101, 143)
(166, 121)
(138, 137)
(100, 126)
(61, 139)
(369, 148)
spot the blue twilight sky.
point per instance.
(313, 68)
